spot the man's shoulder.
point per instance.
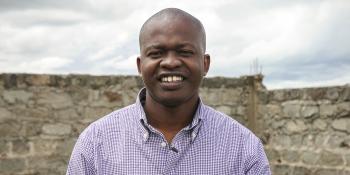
(222, 123)
(113, 122)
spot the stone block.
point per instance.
(301, 171)
(241, 110)
(4, 148)
(296, 140)
(332, 93)
(328, 158)
(66, 146)
(91, 114)
(31, 128)
(9, 128)
(328, 110)
(291, 109)
(283, 141)
(55, 100)
(290, 156)
(309, 157)
(8, 166)
(17, 96)
(344, 172)
(326, 171)
(67, 114)
(343, 110)
(278, 95)
(342, 124)
(45, 147)
(282, 169)
(309, 111)
(337, 139)
(5, 114)
(21, 147)
(58, 129)
(273, 155)
(48, 164)
(347, 159)
(296, 126)
(319, 124)
(38, 80)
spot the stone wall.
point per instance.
(305, 131)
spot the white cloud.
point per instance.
(288, 37)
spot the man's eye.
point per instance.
(186, 53)
(155, 54)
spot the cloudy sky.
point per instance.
(297, 43)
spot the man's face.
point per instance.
(172, 61)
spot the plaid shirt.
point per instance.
(124, 143)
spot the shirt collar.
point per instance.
(145, 128)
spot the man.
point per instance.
(169, 130)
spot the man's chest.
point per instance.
(157, 157)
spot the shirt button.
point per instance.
(145, 136)
(193, 135)
(163, 144)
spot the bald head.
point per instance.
(170, 15)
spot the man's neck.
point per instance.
(170, 120)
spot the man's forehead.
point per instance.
(171, 19)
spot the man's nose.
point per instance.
(170, 61)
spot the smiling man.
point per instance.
(169, 130)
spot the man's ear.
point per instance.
(206, 63)
(138, 62)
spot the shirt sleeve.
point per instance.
(82, 160)
(256, 161)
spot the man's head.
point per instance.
(173, 60)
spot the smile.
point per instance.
(172, 78)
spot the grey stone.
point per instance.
(20, 147)
(273, 155)
(55, 100)
(309, 111)
(12, 165)
(9, 128)
(4, 148)
(344, 172)
(324, 171)
(281, 141)
(296, 140)
(282, 169)
(296, 126)
(342, 124)
(301, 171)
(336, 139)
(278, 95)
(5, 114)
(319, 124)
(347, 159)
(13, 96)
(46, 147)
(291, 110)
(328, 110)
(57, 129)
(330, 159)
(66, 114)
(309, 157)
(332, 93)
(290, 156)
(92, 114)
(343, 110)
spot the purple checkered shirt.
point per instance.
(124, 143)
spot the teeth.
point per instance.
(172, 78)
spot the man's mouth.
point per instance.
(171, 78)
